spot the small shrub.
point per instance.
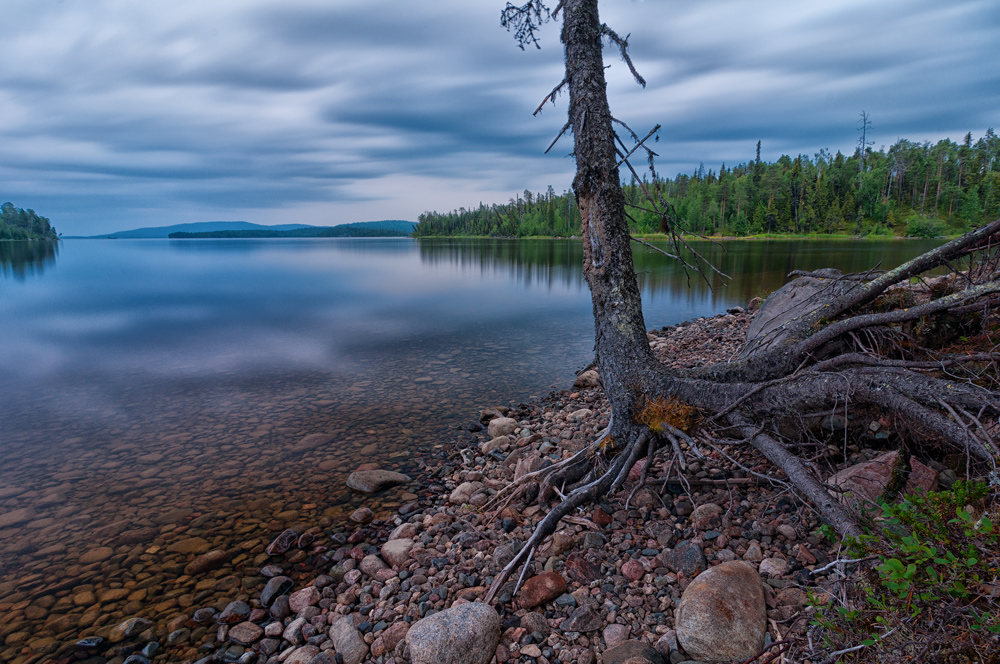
(938, 563)
(926, 227)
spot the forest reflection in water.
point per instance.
(20, 258)
(757, 267)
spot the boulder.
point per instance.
(501, 426)
(347, 641)
(869, 479)
(795, 299)
(722, 614)
(464, 634)
(370, 481)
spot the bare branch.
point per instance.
(622, 45)
(551, 97)
(525, 21)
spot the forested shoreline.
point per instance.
(20, 224)
(910, 189)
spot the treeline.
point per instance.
(330, 231)
(20, 224)
(914, 189)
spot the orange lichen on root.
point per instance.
(659, 411)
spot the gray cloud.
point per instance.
(116, 114)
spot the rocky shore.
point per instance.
(400, 583)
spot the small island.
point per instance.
(390, 228)
(20, 224)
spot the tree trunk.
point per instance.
(624, 358)
(809, 358)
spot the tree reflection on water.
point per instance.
(20, 258)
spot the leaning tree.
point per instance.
(861, 340)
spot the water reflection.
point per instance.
(20, 258)
(757, 267)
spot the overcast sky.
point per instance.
(116, 114)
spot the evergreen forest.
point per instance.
(910, 189)
(20, 224)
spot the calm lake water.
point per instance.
(159, 383)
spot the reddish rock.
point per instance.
(501, 426)
(387, 640)
(869, 479)
(282, 543)
(245, 633)
(362, 515)
(633, 570)
(581, 569)
(601, 518)
(235, 612)
(300, 599)
(540, 589)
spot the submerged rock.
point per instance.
(370, 481)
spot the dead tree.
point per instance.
(805, 360)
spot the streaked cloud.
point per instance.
(116, 113)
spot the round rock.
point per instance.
(464, 634)
(370, 481)
(722, 615)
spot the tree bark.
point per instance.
(624, 358)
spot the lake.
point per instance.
(156, 387)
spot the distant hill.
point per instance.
(165, 231)
(344, 230)
(199, 229)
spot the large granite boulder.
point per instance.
(722, 616)
(464, 634)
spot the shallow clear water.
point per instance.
(143, 377)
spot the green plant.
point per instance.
(921, 226)
(936, 559)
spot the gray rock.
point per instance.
(722, 614)
(632, 652)
(589, 378)
(687, 557)
(347, 641)
(793, 300)
(501, 426)
(303, 655)
(464, 634)
(396, 552)
(371, 564)
(584, 619)
(370, 481)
